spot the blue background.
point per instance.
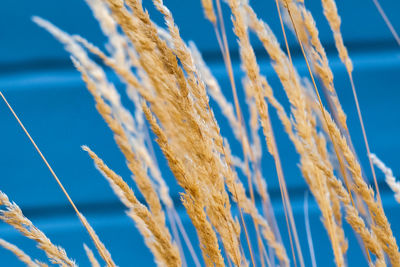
(46, 91)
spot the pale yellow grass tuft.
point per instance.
(160, 239)
(92, 259)
(389, 178)
(22, 256)
(13, 216)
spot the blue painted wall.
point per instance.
(48, 94)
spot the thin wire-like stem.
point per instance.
(245, 143)
(340, 160)
(83, 220)
(228, 65)
(176, 235)
(285, 200)
(283, 31)
(360, 118)
(308, 231)
(321, 105)
(171, 212)
(290, 58)
(267, 258)
(186, 238)
(227, 258)
(290, 70)
(261, 246)
(366, 146)
(387, 21)
(40, 153)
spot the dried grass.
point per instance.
(91, 257)
(13, 216)
(22, 256)
(169, 85)
(389, 178)
(156, 235)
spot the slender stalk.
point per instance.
(104, 254)
(387, 21)
(360, 118)
(308, 231)
(176, 236)
(290, 70)
(186, 238)
(342, 168)
(333, 18)
(228, 65)
(171, 211)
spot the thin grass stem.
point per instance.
(387, 21)
(93, 236)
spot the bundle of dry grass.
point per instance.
(13, 216)
(169, 85)
(21, 255)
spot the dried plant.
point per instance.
(21, 255)
(169, 84)
(389, 178)
(13, 216)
